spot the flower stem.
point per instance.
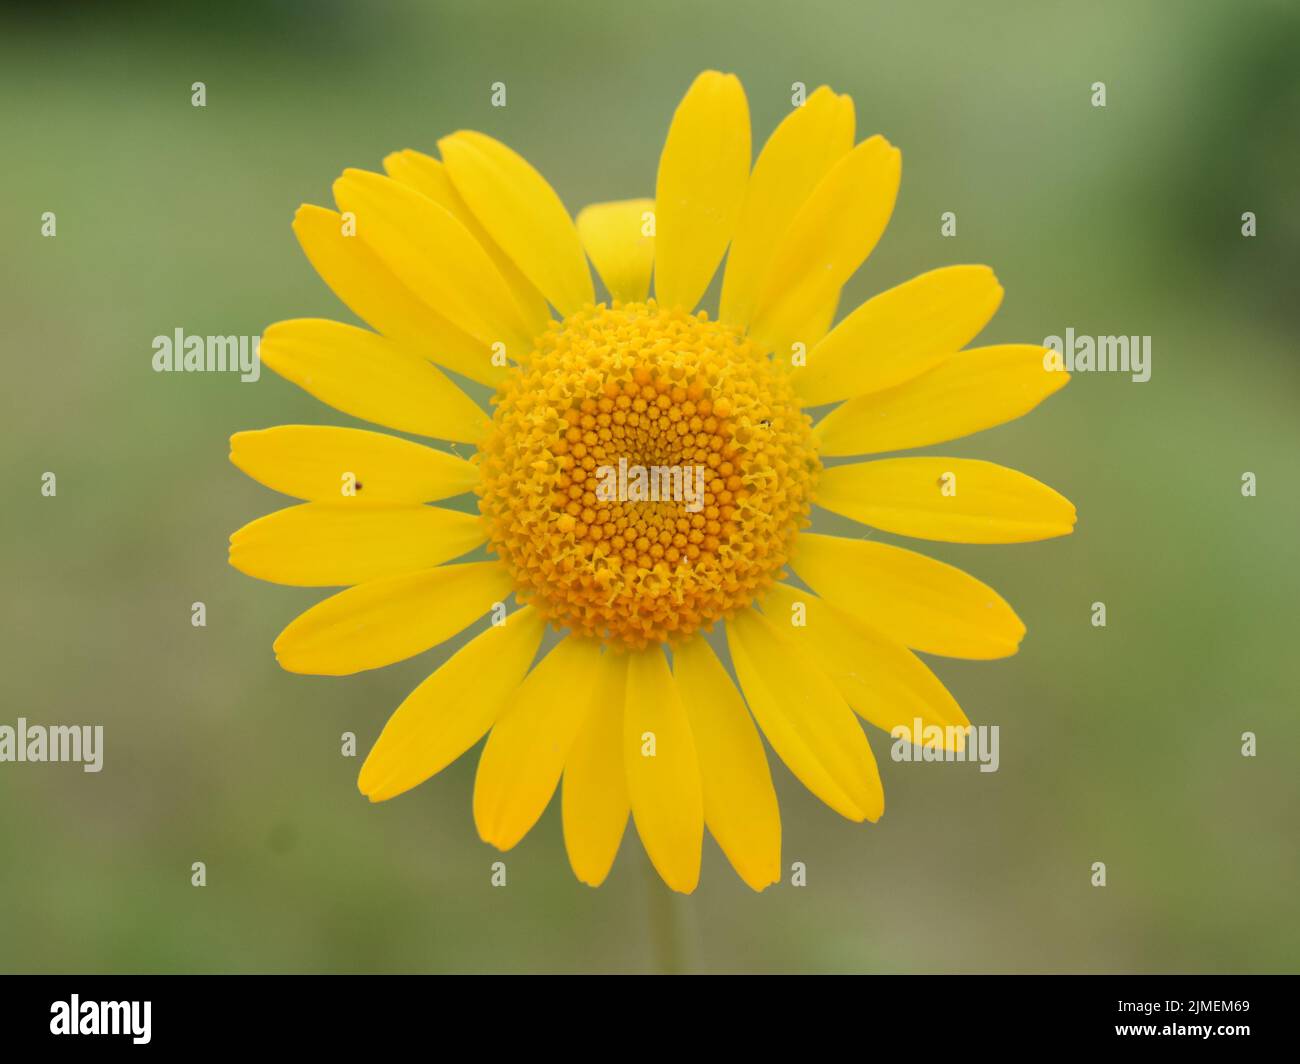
(665, 929)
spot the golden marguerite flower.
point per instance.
(460, 261)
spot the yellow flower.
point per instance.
(459, 262)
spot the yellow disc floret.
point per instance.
(646, 473)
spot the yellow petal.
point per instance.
(436, 257)
(804, 717)
(383, 621)
(593, 800)
(899, 334)
(369, 377)
(321, 462)
(521, 211)
(885, 683)
(739, 800)
(790, 336)
(923, 603)
(357, 276)
(453, 708)
(970, 391)
(619, 237)
(798, 154)
(663, 772)
(957, 500)
(525, 754)
(337, 544)
(427, 175)
(828, 240)
(700, 187)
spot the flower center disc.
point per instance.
(646, 473)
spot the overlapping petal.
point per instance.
(526, 752)
(970, 391)
(435, 257)
(385, 621)
(375, 295)
(524, 216)
(663, 771)
(805, 718)
(884, 682)
(899, 334)
(363, 374)
(740, 807)
(452, 709)
(926, 604)
(829, 238)
(428, 175)
(798, 154)
(619, 237)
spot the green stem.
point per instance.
(665, 929)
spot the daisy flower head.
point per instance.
(646, 476)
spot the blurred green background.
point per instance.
(1119, 744)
